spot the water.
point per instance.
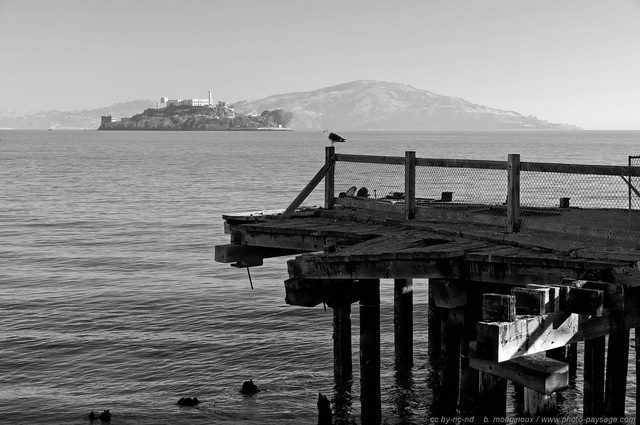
(111, 298)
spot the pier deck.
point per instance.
(521, 280)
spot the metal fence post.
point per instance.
(409, 185)
(513, 193)
(329, 179)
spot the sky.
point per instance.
(564, 61)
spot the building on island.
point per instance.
(107, 119)
(164, 102)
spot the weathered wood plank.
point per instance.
(535, 371)
(605, 170)
(308, 189)
(370, 159)
(410, 185)
(231, 253)
(613, 293)
(532, 300)
(513, 193)
(500, 341)
(498, 308)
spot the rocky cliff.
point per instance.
(194, 118)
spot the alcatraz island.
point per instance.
(197, 115)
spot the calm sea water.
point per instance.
(110, 298)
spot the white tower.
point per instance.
(210, 99)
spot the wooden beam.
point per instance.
(329, 180)
(616, 382)
(342, 357)
(532, 300)
(594, 377)
(370, 392)
(605, 170)
(500, 341)
(310, 267)
(498, 308)
(293, 241)
(307, 190)
(513, 193)
(535, 371)
(537, 404)
(231, 253)
(409, 185)
(403, 323)
(586, 301)
(613, 293)
(492, 399)
(311, 292)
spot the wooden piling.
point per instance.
(403, 322)
(452, 321)
(637, 347)
(433, 318)
(370, 396)
(342, 363)
(409, 185)
(329, 178)
(616, 383)
(594, 377)
(492, 397)
(513, 193)
(492, 401)
(572, 358)
(537, 404)
(469, 377)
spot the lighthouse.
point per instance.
(210, 99)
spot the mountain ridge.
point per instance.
(369, 104)
(355, 105)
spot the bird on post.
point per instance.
(335, 138)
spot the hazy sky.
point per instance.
(569, 61)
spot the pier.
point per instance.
(524, 261)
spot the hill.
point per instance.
(87, 119)
(200, 118)
(381, 105)
(363, 104)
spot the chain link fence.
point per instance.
(599, 201)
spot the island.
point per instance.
(186, 117)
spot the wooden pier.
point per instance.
(515, 286)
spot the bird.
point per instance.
(335, 138)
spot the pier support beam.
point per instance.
(342, 364)
(403, 322)
(492, 402)
(452, 322)
(635, 335)
(537, 404)
(594, 377)
(370, 396)
(616, 384)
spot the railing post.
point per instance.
(513, 193)
(329, 179)
(409, 185)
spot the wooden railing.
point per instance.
(512, 166)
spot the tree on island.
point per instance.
(277, 117)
